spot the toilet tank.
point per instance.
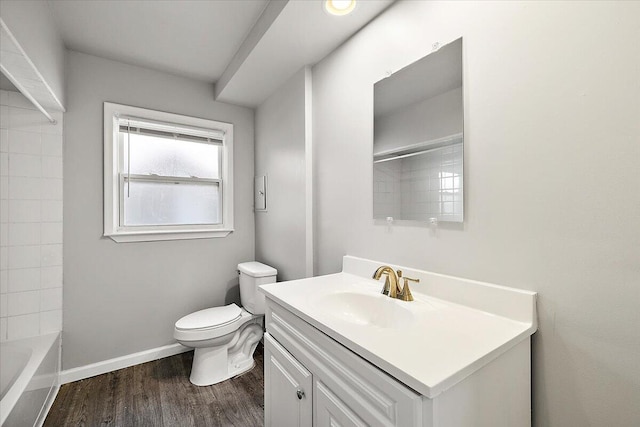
(252, 275)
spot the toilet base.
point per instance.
(212, 365)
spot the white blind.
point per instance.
(168, 130)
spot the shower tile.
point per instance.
(4, 187)
(4, 117)
(23, 303)
(51, 233)
(4, 164)
(51, 299)
(23, 326)
(21, 234)
(24, 188)
(24, 142)
(51, 189)
(50, 321)
(4, 259)
(24, 257)
(3, 329)
(25, 120)
(51, 277)
(24, 279)
(51, 255)
(4, 281)
(4, 211)
(4, 299)
(51, 145)
(52, 167)
(31, 189)
(25, 211)
(51, 211)
(26, 165)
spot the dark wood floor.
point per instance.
(158, 394)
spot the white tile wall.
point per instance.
(4, 140)
(24, 142)
(25, 211)
(420, 187)
(4, 281)
(30, 220)
(51, 233)
(386, 190)
(23, 279)
(51, 277)
(51, 211)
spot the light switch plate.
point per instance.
(260, 195)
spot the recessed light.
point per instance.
(339, 7)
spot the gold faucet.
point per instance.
(391, 282)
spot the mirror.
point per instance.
(418, 140)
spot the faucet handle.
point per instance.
(405, 294)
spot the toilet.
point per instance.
(225, 337)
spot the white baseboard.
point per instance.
(87, 371)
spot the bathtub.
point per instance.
(29, 371)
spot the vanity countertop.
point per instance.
(452, 328)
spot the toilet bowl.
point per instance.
(224, 338)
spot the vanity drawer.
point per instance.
(374, 396)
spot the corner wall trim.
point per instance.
(98, 368)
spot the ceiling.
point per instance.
(195, 39)
(247, 48)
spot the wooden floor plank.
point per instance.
(123, 402)
(176, 397)
(159, 394)
(147, 406)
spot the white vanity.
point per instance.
(340, 353)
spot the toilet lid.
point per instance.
(210, 318)
(257, 269)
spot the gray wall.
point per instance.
(552, 147)
(120, 298)
(32, 24)
(280, 155)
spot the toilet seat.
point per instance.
(210, 323)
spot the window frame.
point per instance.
(113, 203)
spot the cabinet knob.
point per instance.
(300, 394)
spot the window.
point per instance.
(167, 176)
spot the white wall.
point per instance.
(280, 155)
(122, 298)
(30, 219)
(32, 24)
(552, 181)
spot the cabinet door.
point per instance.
(330, 411)
(287, 388)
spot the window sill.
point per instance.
(154, 236)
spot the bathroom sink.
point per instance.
(452, 328)
(366, 309)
